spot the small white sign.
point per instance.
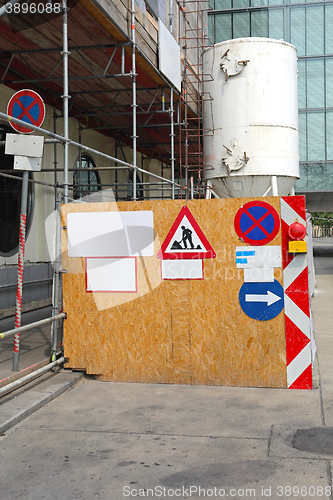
(24, 145)
(259, 275)
(182, 269)
(264, 256)
(111, 275)
(26, 163)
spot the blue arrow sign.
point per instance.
(261, 301)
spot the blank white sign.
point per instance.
(169, 55)
(111, 275)
(182, 269)
(259, 275)
(24, 145)
(110, 234)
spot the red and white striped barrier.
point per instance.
(296, 297)
(19, 285)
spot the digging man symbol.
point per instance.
(187, 236)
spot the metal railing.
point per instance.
(27, 378)
(32, 325)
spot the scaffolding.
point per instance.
(106, 107)
(193, 42)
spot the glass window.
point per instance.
(315, 30)
(329, 83)
(329, 126)
(258, 3)
(10, 202)
(301, 84)
(302, 137)
(315, 84)
(276, 24)
(259, 23)
(241, 25)
(222, 27)
(238, 4)
(222, 4)
(297, 30)
(329, 179)
(85, 181)
(302, 183)
(210, 23)
(328, 29)
(317, 176)
(316, 136)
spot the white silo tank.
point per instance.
(251, 125)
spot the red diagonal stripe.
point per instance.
(296, 340)
(298, 291)
(304, 381)
(297, 203)
(256, 223)
(25, 111)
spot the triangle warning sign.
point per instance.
(185, 240)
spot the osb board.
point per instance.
(189, 332)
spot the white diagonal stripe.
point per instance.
(299, 364)
(297, 316)
(294, 269)
(289, 215)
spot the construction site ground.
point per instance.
(115, 440)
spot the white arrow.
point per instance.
(270, 298)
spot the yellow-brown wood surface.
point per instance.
(174, 331)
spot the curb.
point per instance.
(25, 404)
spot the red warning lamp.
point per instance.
(296, 233)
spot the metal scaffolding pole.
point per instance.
(55, 163)
(65, 96)
(172, 139)
(134, 96)
(56, 281)
(61, 139)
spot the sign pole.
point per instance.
(19, 286)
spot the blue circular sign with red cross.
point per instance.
(28, 106)
(257, 223)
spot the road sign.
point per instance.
(257, 223)
(28, 106)
(261, 301)
(249, 257)
(185, 240)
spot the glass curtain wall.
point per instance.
(309, 27)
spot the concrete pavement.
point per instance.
(35, 347)
(114, 441)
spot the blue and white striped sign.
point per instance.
(265, 256)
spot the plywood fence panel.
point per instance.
(174, 331)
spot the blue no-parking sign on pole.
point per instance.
(261, 301)
(28, 106)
